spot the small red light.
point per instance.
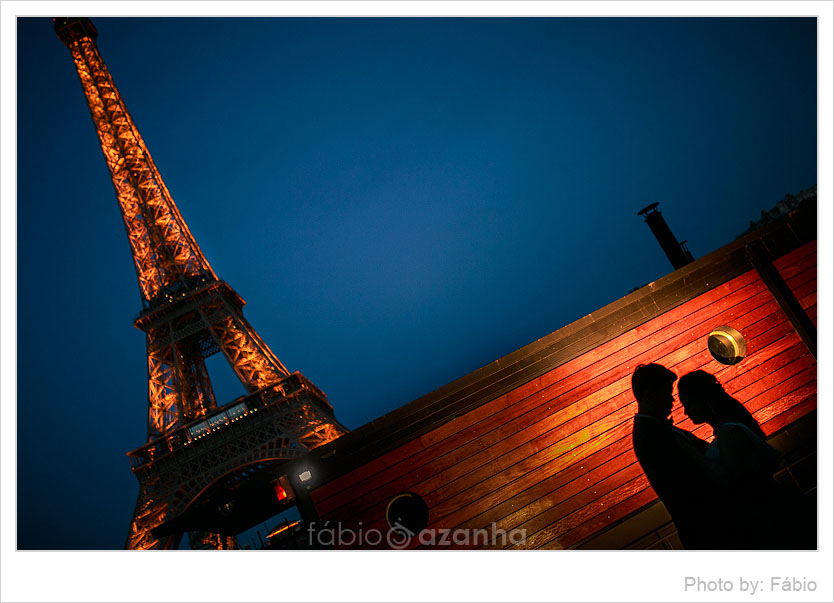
(280, 492)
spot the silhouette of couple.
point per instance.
(720, 495)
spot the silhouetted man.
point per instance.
(690, 485)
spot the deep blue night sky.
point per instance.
(400, 202)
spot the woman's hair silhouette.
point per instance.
(705, 400)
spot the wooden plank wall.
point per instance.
(554, 457)
(799, 271)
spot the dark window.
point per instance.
(407, 513)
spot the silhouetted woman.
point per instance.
(756, 503)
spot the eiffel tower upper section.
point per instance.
(167, 259)
(187, 313)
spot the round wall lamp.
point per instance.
(727, 345)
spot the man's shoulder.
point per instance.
(651, 423)
(652, 429)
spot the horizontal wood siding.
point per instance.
(553, 457)
(799, 271)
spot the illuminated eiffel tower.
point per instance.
(188, 314)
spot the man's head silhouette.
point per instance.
(652, 387)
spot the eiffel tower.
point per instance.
(187, 315)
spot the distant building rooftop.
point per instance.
(786, 206)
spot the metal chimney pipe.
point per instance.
(676, 251)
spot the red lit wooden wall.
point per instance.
(799, 270)
(553, 456)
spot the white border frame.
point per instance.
(489, 576)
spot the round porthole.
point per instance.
(407, 514)
(727, 345)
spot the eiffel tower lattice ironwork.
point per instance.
(188, 314)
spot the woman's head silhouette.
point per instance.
(705, 401)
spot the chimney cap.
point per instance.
(648, 208)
